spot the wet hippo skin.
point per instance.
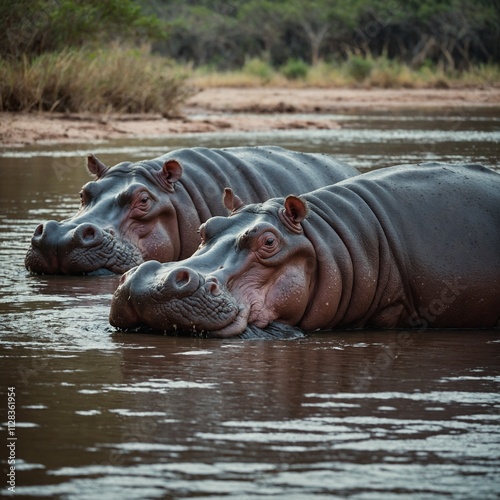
(407, 246)
(134, 212)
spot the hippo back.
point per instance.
(152, 209)
(411, 237)
(254, 173)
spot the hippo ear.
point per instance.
(96, 166)
(231, 201)
(294, 213)
(170, 173)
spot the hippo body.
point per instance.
(152, 209)
(407, 246)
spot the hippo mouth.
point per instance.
(107, 256)
(197, 307)
(210, 309)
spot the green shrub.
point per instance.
(295, 69)
(259, 68)
(359, 68)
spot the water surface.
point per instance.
(373, 414)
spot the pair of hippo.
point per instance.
(407, 246)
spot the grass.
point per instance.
(355, 72)
(123, 80)
(115, 79)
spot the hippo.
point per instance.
(410, 246)
(134, 212)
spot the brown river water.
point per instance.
(343, 414)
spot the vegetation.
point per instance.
(100, 81)
(354, 72)
(68, 55)
(454, 34)
(89, 55)
(33, 27)
(294, 69)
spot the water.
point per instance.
(363, 415)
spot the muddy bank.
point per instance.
(238, 109)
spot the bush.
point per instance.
(295, 69)
(114, 79)
(359, 68)
(259, 68)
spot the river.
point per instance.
(360, 415)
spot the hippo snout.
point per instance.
(52, 235)
(125, 304)
(87, 235)
(212, 285)
(46, 235)
(171, 296)
(123, 313)
(180, 283)
(69, 247)
(183, 282)
(42, 254)
(139, 277)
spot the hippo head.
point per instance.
(253, 267)
(126, 217)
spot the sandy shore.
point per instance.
(237, 109)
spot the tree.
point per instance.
(323, 20)
(31, 27)
(264, 20)
(201, 32)
(448, 32)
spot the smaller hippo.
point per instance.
(407, 246)
(134, 212)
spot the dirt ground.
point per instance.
(238, 109)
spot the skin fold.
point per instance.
(403, 247)
(151, 210)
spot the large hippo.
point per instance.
(406, 246)
(134, 212)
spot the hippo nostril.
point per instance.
(46, 235)
(38, 231)
(36, 239)
(181, 282)
(182, 278)
(212, 286)
(87, 235)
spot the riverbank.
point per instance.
(239, 109)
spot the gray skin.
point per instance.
(408, 246)
(134, 212)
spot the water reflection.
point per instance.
(189, 417)
(347, 414)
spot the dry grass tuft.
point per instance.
(114, 79)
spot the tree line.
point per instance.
(454, 34)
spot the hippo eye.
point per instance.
(143, 202)
(84, 198)
(88, 193)
(268, 244)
